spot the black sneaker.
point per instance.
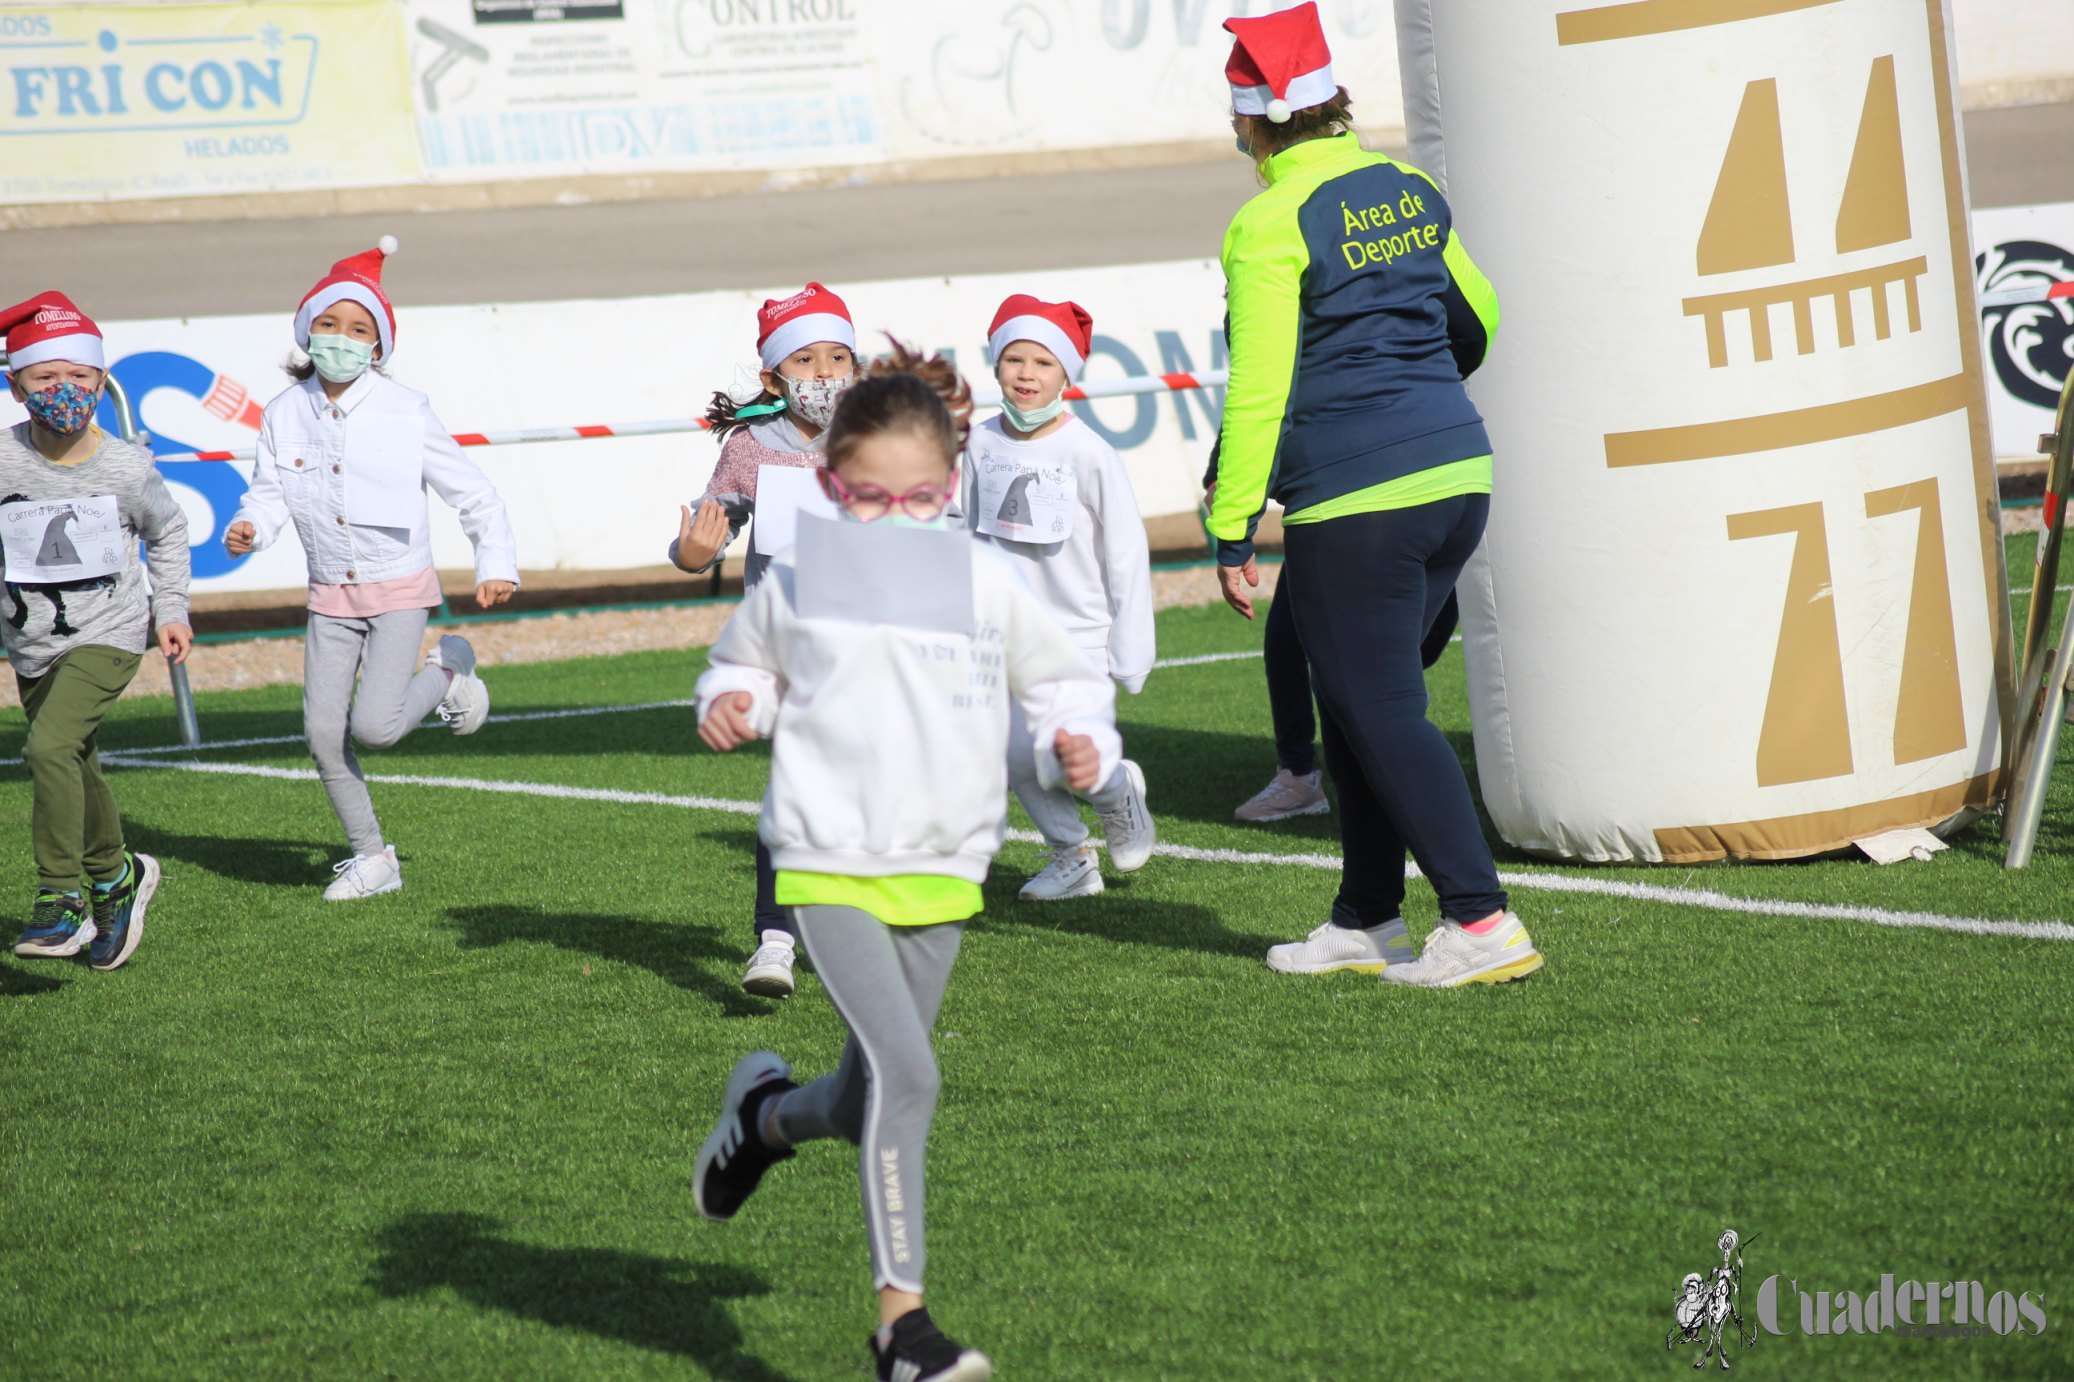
(58, 928)
(735, 1157)
(119, 913)
(920, 1353)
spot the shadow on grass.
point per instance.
(672, 951)
(1170, 925)
(293, 863)
(658, 1303)
(16, 982)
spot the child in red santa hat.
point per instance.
(808, 349)
(345, 455)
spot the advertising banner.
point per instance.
(2030, 347)
(125, 102)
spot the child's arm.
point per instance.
(163, 526)
(1059, 692)
(704, 535)
(462, 484)
(263, 511)
(744, 663)
(1127, 572)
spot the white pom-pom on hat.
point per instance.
(1278, 111)
(387, 244)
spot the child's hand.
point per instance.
(239, 537)
(700, 538)
(492, 593)
(1079, 760)
(174, 640)
(727, 723)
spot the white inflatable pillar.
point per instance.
(1742, 593)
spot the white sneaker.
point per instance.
(1377, 950)
(1128, 829)
(1453, 957)
(770, 968)
(365, 875)
(467, 701)
(1285, 797)
(1074, 872)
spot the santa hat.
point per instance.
(49, 327)
(1279, 64)
(809, 315)
(358, 279)
(1063, 328)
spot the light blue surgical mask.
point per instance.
(341, 359)
(1036, 417)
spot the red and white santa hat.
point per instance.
(809, 315)
(357, 279)
(49, 327)
(1279, 63)
(1063, 328)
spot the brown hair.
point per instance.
(720, 413)
(1265, 138)
(903, 392)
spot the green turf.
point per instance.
(446, 1134)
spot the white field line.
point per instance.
(1532, 881)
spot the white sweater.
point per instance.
(890, 746)
(1098, 580)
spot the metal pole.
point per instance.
(2042, 690)
(183, 693)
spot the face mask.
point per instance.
(815, 399)
(1036, 417)
(341, 359)
(65, 409)
(1239, 140)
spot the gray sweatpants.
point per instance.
(395, 695)
(887, 982)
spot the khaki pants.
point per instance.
(74, 823)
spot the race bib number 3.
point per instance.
(51, 541)
(1025, 503)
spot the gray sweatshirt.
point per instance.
(114, 611)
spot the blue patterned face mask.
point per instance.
(65, 408)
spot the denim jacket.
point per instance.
(345, 474)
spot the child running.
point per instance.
(884, 811)
(1044, 488)
(808, 348)
(345, 454)
(78, 618)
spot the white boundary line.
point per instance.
(1533, 881)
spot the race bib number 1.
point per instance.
(51, 541)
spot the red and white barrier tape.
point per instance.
(2032, 292)
(1100, 388)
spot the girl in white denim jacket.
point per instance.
(345, 454)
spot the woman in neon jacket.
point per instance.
(1353, 315)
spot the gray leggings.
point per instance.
(887, 982)
(394, 697)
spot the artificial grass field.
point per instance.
(447, 1133)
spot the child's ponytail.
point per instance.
(723, 415)
(903, 391)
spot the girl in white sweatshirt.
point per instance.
(885, 808)
(345, 454)
(1044, 488)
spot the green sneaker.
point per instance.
(119, 912)
(58, 929)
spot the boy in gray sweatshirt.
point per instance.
(76, 619)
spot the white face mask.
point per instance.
(814, 399)
(1035, 418)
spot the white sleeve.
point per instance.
(1127, 575)
(463, 485)
(745, 657)
(263, 505)
(1057, 688)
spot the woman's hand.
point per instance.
(726, 725)
(1235, 581)
(174, 640)
(493, 593)
(239, 537)
(700, 538)
(1079, 760)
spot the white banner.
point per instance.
(2029, 347)
(200, 384)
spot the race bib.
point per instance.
(51, 541)
(385, 470)
(783, 493)
(1024, 503)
